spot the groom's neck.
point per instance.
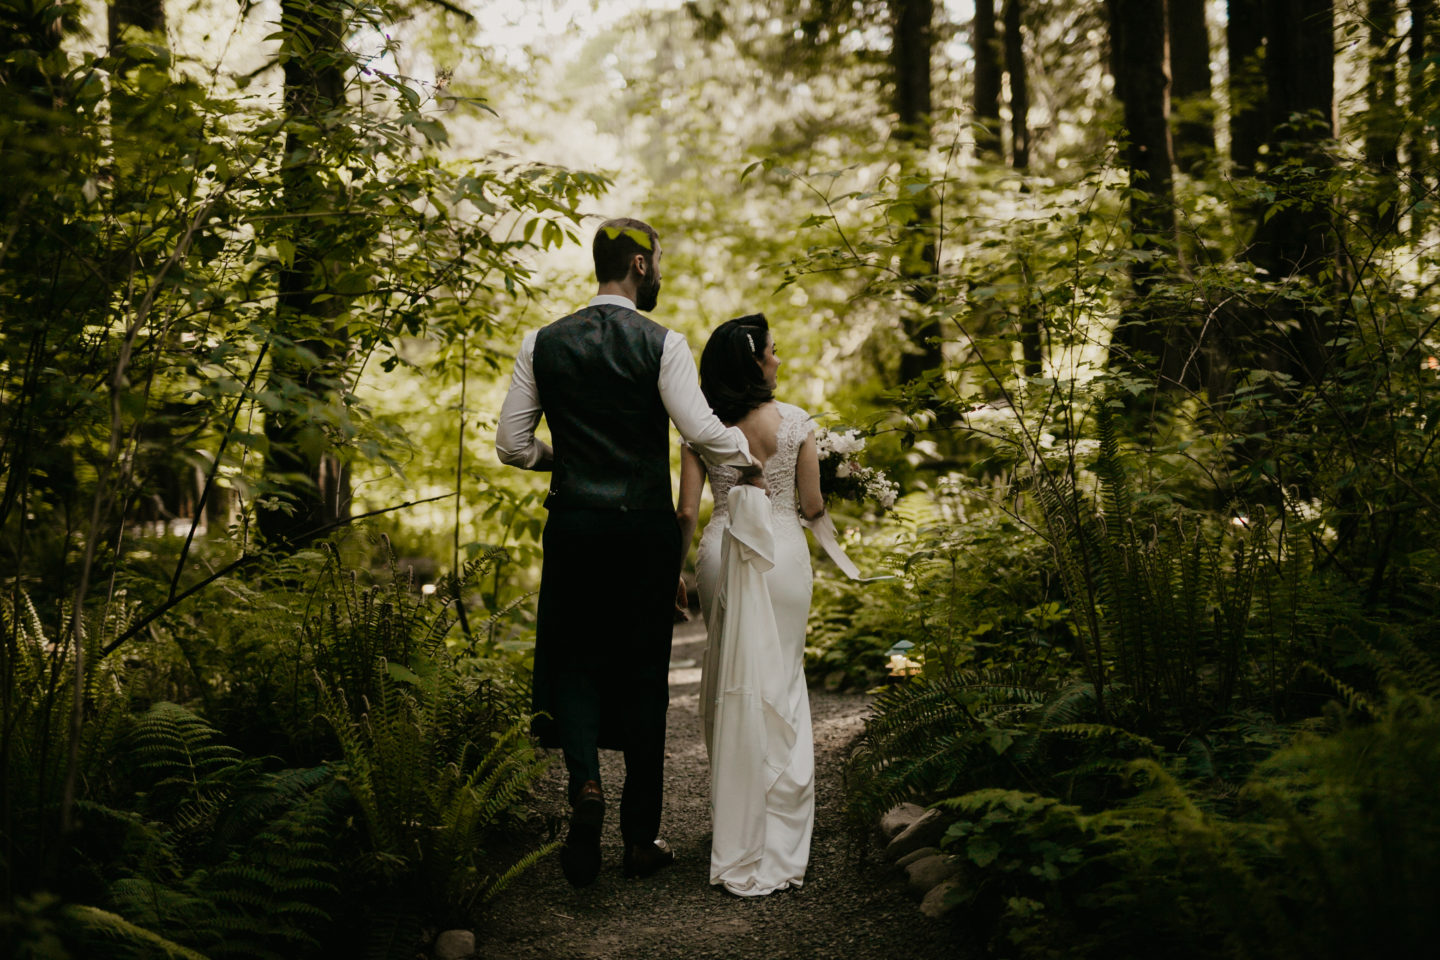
(626, 288)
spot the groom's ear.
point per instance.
(640, 265)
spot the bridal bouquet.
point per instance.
(844, 476)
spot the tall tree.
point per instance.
(311, 484)
(1296, 235)
(1019, 86)
(1382, 115)
(912, 43)
(1138, 42)
(1015, 68)
(988, 76)
(1244, 40)
(1419, 150)
(1191, 103)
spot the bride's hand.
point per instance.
(682, 603)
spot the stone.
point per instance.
(914, 855)
(941, 899)
(898, 818)
(455, 945)
(925, 832)
(929, 872)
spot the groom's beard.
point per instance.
(648, 295)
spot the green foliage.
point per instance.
(427, 793)
(1333, 841)
(942, 734)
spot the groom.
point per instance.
(609, 382)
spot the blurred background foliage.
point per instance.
(1135, 300)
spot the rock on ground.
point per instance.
(853, 905)
(925, 832)
(897, 818)
(455, 945)
(929, 872)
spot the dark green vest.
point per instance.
(598, 375)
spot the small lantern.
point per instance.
(900, 663)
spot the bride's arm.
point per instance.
(807, 480)
(692, 480)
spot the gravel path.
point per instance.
(851, 906)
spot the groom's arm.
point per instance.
(515, 440)
(697, 423)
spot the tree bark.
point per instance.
(1191, 103)
(1031, 349)
(1383, 125)
(304, 473)
(1419, 149)
(1147, 331)
(987, 81)
(912, 40)
(1244, 38)
(1296, 236)
(1019, 86)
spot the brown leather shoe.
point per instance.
(580, 855)
(643, 859)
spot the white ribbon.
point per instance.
(824, 529)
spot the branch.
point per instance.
(459, 12)
(242, 561)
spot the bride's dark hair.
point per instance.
(730, 373)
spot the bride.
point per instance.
(753, 573)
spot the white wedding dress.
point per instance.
(755, 583)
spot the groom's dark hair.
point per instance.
(616, 243)
(730, 373)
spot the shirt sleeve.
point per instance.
(515, 440)
(697, 423)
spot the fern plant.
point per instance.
(1165, 606)
(940, 734)
(427, 793)
(246, 863)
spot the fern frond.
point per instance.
(116, 929)
(517, 868)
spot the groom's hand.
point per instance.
(755, 476)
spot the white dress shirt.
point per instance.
(515, 440)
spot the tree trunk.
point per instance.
(1296, 235)
(1383, 124)
(1191, 103)
(1419, 149)
(987, 81)
(1030, 347)
(1244, 38)
(912, 39)
(1148, 332)
(1019, 86)
(310, 481)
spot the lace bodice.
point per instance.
(795, 425)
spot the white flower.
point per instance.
(843, 470)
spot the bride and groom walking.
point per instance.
(609, 382)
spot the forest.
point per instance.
(1136, 301)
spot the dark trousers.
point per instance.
(602, 648)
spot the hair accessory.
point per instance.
(751, 341)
